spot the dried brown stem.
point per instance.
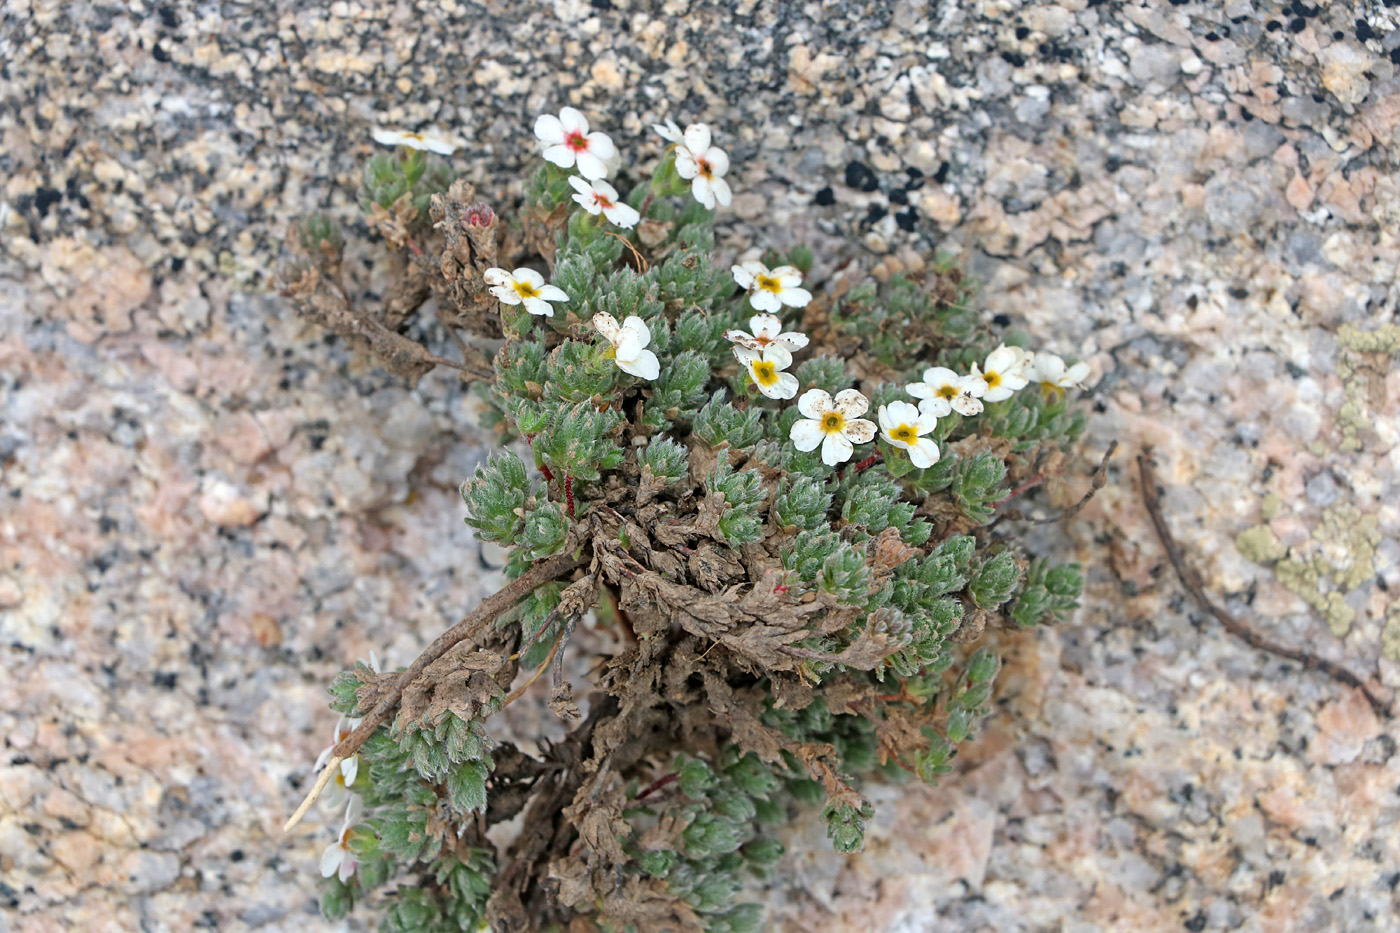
(482, 616)
(1195, 586)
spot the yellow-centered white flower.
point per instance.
(338, 859)
(567, 143)
(766, 370)
(770, 289)
(1052, 374)
(524, 286)
(767, 335)
(944, 391)
(1004, 372)
(599, 197)
(902, 426)
(629, 344)
(440, 143)
(702, 164)
(344, 777)
(833, 424)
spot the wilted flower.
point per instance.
(431, 142)
(629, 343)
(770, 289)
(1004, 372)
(344, 777)
(835, 425)
(767, 335)
(524, 286)
(568, 143)
(704, 165)
(338, 859)
(479, 214)
(766, 369)
(944, 391)
(668, 131)
(599, 197)
(1049, 370)
(902, 424)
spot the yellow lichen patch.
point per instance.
(1390, 637)
(1260, 545)
(1340, 558)
(1362, 366)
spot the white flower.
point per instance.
(432, 142)
(766, 369)
(706, 165)
(668, 131)
(629, 344)
(1004, 372)
(524, 286)
(1050, 371)
(338, 859)
(599, 197)
(944, 391)
(567, 142)
(902, 424)
(767, 336)
(835, 425)
(770, 289)
(344, 777)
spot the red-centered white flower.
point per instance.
(766, 370)
(338, 859)
(1004, 372)
(944, 391)
(567, 143)
(767, 335)
(902, 425)
(629, 342)
(599, 197)
(1050, 371)
(704, 165)
(430, 141)
(834, 425)
(770, 289)
(524, 286)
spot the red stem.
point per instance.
(868, 461)
(543, 468)
(659, 783)
(414, 246)
(569, 493)
(1034, 481)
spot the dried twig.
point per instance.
(476, 620)
(1191, 580)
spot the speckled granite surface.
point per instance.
(206, 509)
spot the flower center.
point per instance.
(949, 392)
(602, 201)
(705, 170)
(904, 433)
(526, 290)
(769, 283)
(576, 141)
(993, 379)
(765, 373)
(833, 422)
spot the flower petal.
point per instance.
(938, 406)
(560, 155)
(900, 413)
(702, 191)
(697, 138)
(645, 366)
(350, 769)
(548, 129)
(686, 166)
(836, 449)
(539, 306)
(795, 297)
(573, 121)
(765, 301)
(638, 327)
(347, 868)
(590, 166)
(1077, 374)
(793, 340)
(718, 159)
(331, 858)
(667, 131)
(506, 295)
(964, 404)
(920, 390)
(721, 191)
(787, 275)
(938, 376)
(495, 276)
(387, 137)
(923, 453)
(924, 421)
(745, 274)
(588, 202)
(746, 355)
(859, 431)
(605, 324)
(814, 403)
(973, 384)
(581, 186)
(765, 325)
(893, 441)
(851, 403)
(528, 277)
(778, 355)
(553, 293)
(806, 434)
(629, 347)
(741, 338)
(601, 145)
(622, 215)
(786, 387)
